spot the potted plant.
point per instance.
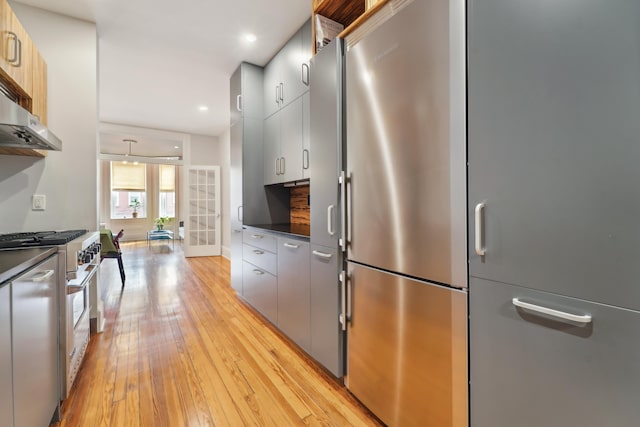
(135, 204)
(161, 221)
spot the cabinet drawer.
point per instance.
(532, 369)
(260, 289)
(260, 240)
(260, 258)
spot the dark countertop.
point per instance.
(299, 230)
(15, 261)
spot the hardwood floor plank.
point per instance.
(181, 349)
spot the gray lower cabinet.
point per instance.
(530, 369)
(327, 341)
(260, 289)
(35, 344)
(293, 290)
(6, 381)
(259, 272)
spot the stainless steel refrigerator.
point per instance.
(554, 199)
(405, 184)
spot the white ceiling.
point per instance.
(159, 60)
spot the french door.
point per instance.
(202, 228)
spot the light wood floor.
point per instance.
(179, 349)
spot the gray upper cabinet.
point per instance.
(306, 136)
(235, 98)
(287, 75)
(293, 290)
(326, 142)
(554, 101)
(529, 369)
(6, 381)
(283, 144)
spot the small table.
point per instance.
(160, 235)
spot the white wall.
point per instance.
(204, 150)
(225, 162)
(67, 178)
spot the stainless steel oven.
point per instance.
(77, 322)
(83, 265)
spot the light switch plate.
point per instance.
(38, 202)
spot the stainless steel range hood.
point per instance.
(21, 129)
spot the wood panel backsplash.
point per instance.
(299, 205)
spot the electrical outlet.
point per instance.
(38, 202)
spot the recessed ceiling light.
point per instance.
(203, 108)
(176, 147)
(250, 37)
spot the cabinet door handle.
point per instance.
(258, 272)
(257, 252)
(13, 37)
(551, 312)
(278, 94)
(257, 236)
(239, 103)
(281, 92)
(305, 73)
(321, 254)
(330, 229)
(238, 214)
(305, 159)
(480, 250)
(282, 166)
(277, 165)
(291, 246)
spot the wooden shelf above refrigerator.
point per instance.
(350, 13)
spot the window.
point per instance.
(128, 190)
(167, 188)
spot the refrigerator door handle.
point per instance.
(330, 229)
(343, 300)
(551, 312)
(239, 103)
(347, 279)
(480, 250)
(343, 211)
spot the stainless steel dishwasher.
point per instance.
(34, 322)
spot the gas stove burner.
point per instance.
(38, 238)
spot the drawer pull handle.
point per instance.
(258, 272)
(256, 236)
(257, 252)
(291, 245)
(551, 312)
(41, 276)
(321, 254)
